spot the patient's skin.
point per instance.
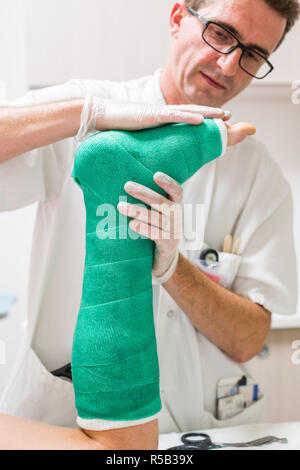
(142, 437)
(21, 434)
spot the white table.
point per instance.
(244, 434)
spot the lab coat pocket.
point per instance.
(252, 415)
(37, 395)
(223, 270)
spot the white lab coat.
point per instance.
(244, 193)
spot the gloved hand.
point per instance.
(100, 114)
(163, 223)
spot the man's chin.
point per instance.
(205, 98)
(201, 94)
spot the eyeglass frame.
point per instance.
(239, 45)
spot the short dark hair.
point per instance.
(288, 9)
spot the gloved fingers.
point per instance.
(227, 116)
(135, 116)
(153, 199)
(141, 214)
(156, 114)
(170, 223)
(205, 111)
(166, 241)
(171, 186)
(192, 114)
(215, 113)
(147, 195)
(168, 116)
(103, 114)
(238, 132)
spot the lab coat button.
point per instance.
(171, 314)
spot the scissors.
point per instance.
(201, 441)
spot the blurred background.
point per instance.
(45, 42)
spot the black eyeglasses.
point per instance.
(222, 40)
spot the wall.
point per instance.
(113, 40)
(12, 49)
(103, 40)
(286, 59)
(278, 375)
(15, 227)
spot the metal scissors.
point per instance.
(201, 441)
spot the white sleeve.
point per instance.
(268, 271)
(39, 175)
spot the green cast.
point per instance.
(114, 361)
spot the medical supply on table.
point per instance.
(6, 301)
(202, 441)
(114, 362)
(234, 394)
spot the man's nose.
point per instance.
(229, 63)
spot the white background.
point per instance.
(113, 40)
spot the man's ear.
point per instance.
(178, 13)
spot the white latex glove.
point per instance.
(163, 223)
(100, 114)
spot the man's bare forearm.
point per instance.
(25, 128)
(233, 323)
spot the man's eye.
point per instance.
(220, 36)
(220, 33)
(252, 56)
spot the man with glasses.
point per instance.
(253, 59)
(204, 331)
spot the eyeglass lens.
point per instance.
(222, 41)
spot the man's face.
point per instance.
(200, 74)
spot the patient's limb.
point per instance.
(21, 434)
(238, 132)
(142, 437)
(114, 362)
